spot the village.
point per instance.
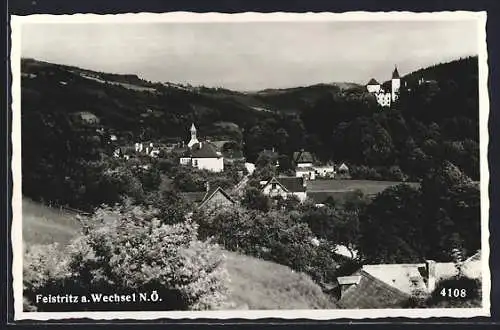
(365, 287)
(284, 205)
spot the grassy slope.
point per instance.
(45, 225)
(259, 284)
(254, 283)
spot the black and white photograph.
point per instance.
(185, 165)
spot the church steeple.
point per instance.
(395, 84)
(194, 139)
(395, 73)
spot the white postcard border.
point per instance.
(185, 17)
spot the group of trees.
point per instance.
(407, 224)
(129, 250)
(431, 122)
(403, 224)
(277, 236)
(430, 135)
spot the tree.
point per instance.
(254, 199)
(392, 227)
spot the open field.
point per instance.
(339, 190)
(254, 283)
(46, 225)
(368, 187)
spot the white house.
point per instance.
(373, 86)
(385, 98)
(303, 161)
(285, 187)
(305, 172)
(250, 167)
(325, 171)
(202, 155)
(205, 156)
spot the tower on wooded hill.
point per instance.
(395, 84)
(194, 139)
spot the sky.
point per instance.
(249, 56)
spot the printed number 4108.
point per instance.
(453, 293)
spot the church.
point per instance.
(202, 155)
(385, 98)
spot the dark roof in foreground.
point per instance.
(371, 293)
(373, 82)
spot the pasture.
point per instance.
(368, 187)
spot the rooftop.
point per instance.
(209, 194)
(395, 73)
(292, 184)
(370, 292)
(303, 157)
(205, 150)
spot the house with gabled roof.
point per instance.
(385, 97)
(303, 161)
(373, 86)
(216, 198)
(211, 198)
(303, 158)
(202, 155)
(285, 187)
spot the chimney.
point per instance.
(430, 266)
(346, 282)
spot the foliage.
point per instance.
(392, 227)
(274, 236)
(125, 250)
(254, 199)
(430, 123)
(405, 224)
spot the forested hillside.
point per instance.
(434, 120)
(141, 209)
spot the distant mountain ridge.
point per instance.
(124, 100)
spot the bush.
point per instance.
(254, 199)
(128, 250)
(273, 236)
(364, 172)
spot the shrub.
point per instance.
(274, 236)
(254, 199)
(128, 250)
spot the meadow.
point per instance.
(368, 187)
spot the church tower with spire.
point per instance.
(194, 139)
(395, 84)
